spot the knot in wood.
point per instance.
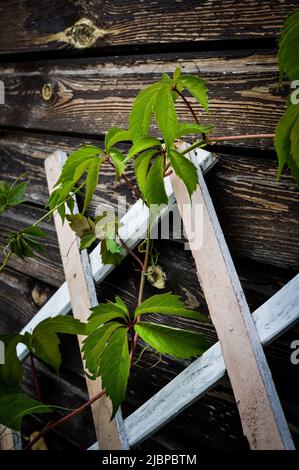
(47, 91)
(83, 34)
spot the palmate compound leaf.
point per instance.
(143, 109)
(166, 116)
(115, 367)
(106, 312)
(185, 170)
(94, 345)
(44, 342)
(114, 136)
(15, 404)
(286, 141)
(176, 342)
(186, 128)
(197, 87)
(167, 304)
(86, 160)
(11, 195)
(154, 188)
(142, 144)
(26, 244)
(288, 51)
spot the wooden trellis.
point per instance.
(241, 334)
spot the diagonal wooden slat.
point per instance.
(82, 292)
(262, 417)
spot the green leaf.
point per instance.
(177, 73)
(92, 180)
(196, 86)
(15, 404)
(11, 372)
(141, 165)
(143, 144)
(45, 341)
(115, 367)
(166, 116)
(104, 313)
(94, 345)
(79, 224)
(25, 244)
(286, 141)
(167, 304)
(185, 170)
(288, 52)
(185, 128)
(113, 257)
(142, 110)
(119, 161)
(11, 195)
(115, 135)
(84, 227)
(154, 187)
(176, 342)
(85, 160)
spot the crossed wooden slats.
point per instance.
(280, 312)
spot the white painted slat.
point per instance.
(274, 317)
(133, 222)
(262, 417)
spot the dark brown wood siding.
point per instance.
(95, 56)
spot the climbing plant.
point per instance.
(112, 331)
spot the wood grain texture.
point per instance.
(258, 214)
(90, 96)
(33, 25)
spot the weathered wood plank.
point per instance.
(90, 96)
(263, 421)
(82, 296)
(271, 319)
(259, 215)
(40, 26)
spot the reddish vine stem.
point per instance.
(35, 378)
(130, 252)
(55, 424)
(239, 137)
(188, 105)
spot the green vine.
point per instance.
(112, 331)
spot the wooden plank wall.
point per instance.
(71, 70)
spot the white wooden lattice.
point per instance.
(271, 320)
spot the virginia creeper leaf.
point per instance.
(176, 342)
(185, 170)
(94, 345)
(154, 188)
(185, 128)
(141, 144)
(196, 86)
(167, 304)
(15, 404)
(141, 165)
(11, 195)
(166, 116)
(115, 367)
